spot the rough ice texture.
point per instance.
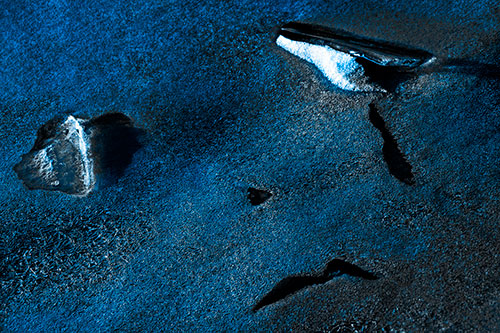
(176, 246)
(77, 136)
(339, 68)
(60, 160)
(45, 166)
(69, 153)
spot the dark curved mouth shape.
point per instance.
(293, 284)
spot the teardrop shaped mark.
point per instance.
(257, 196)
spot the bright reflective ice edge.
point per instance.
(337, 66)
(77, 135)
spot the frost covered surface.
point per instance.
(338, 67)
(76, 135)
(45, 166)
(68, 154)
(61, 159)
(175, 244)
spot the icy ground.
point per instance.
(174, 244)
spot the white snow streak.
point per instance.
(335, 65)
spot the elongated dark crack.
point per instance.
(293, 284)
(396, 161)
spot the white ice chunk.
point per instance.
(61, 159)
(337, 66)
(77, 136)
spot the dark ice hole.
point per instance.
(293, 284)
(396, 162)
(258, 197)
(388, 78)
(114, 141)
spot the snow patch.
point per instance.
(338, 67)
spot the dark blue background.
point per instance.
(175, 244)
